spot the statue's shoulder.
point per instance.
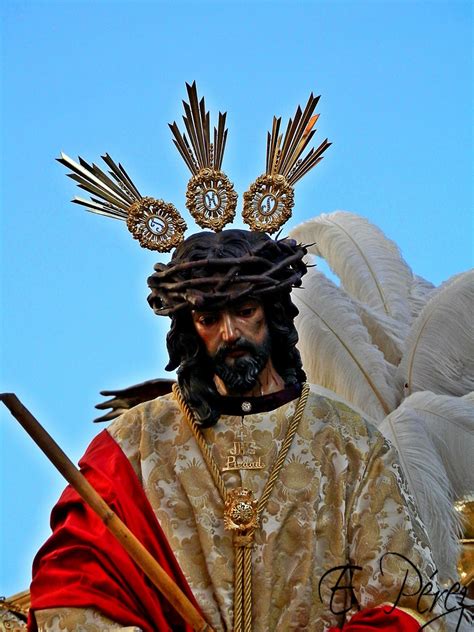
(152, 417)
(335, 417)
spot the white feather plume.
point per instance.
(469, 396)
(337, 351)
(369, 265)
(420, 293)
(439, 352)
(459, 618)
(386, 333)
(429, 483)
(449, 422)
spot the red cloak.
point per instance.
(82, 565)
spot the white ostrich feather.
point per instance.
(420, 293)
(439, 352)
(369, 265)
(469, 396)
(459, 618)
(449, 422)
(337, 351)
(386, 333)
(429, 483)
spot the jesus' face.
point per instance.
(236, 338)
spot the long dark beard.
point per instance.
(243, 374)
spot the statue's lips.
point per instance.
(237, 353)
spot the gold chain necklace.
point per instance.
(241, 511)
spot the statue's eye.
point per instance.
(246, 312)
(207, 320)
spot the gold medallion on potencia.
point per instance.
(268, 203)
(211, 199)
(240, 511)
(156, 224)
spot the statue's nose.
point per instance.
(230, 332)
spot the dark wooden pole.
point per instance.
(130, 543)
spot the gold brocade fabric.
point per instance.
(340, 499)
(77, 620)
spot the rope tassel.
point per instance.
(243, 545)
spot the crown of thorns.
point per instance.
(209, 270)
(210, 196)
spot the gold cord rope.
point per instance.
(238, 588)
(243, 543)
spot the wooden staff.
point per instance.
(129, 542)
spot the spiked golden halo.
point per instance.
(210, 196)
(269, 201)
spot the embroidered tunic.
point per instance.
(340, 500)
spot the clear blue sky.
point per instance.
(89, 77)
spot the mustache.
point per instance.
(239, 345)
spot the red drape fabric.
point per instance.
(82, 565)
(381, 619)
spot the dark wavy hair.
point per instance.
(209, 271)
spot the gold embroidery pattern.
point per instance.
(243, 455)
(77, 620)
(340, 498)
